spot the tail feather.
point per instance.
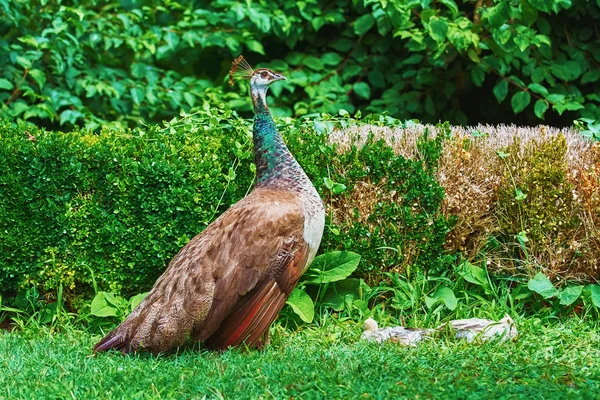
(113, 341)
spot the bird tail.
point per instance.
(114, 340)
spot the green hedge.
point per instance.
(100, 62)
(115, 207)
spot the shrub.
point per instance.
(111, 209)
(99, 62)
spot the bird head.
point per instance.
(264, 77)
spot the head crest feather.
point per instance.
(240, 69)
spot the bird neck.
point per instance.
(275, 165)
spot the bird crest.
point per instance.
(240, 69)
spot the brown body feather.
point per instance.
(228, 284)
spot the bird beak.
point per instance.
(279, 77)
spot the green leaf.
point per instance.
(566, 71)
(477, 75)
(39, 77)
(570, 294)
(438, 28)
(473, 274)
(342, 292)
(501, 90)
(136, 300)
(519, 101)
(542, 286)
(591, 76)
(255, 46)
(333, 266)
(101, 307)
(497, 15)
(442, 294)
(313, 63)
(6, 84)
(302, 305)
(539, 89)
(540, 108)
(363, 24)
(333, 59)
(594, 294)
(519, 195)
(451, 5)
(137, 95)
(362, 89)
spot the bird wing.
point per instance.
(231, 280)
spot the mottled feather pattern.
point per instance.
(252, 241)
(228, 284)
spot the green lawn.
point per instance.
(545, 362)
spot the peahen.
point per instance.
(228, 284)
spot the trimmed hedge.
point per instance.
(79, 209)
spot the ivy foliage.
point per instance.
(99, 62)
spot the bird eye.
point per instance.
(264, 74)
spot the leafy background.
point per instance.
(105, 62)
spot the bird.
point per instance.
(227, 285)
(395, 334)
(474, 329)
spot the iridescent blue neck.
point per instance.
(275, 165)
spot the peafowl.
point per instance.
(228, 284)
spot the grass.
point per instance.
(546, 361)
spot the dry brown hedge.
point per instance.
(504, 183)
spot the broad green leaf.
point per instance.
(39, 77)
(542, 285)
(566, 71)
(255, 46)
(591, 76)
(333, 59)
(539, 89)
(6, 84)
(477, 76)
(473, 274)
(363, 24)
(333, 266)
(497, 15)
(302, 305)
(529, 13)
(501, 90)
(451, 5)
(100, 307)
(522, 42)
(520, 101)
(137, 95)
(362, 89)
(594, 294)
(342, 292)
(136, 300)
(438, 28)
(570, 294)
(442, 294)
(313, 63)
(540, 108)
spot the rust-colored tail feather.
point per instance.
(113, 341)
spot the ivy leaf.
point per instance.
(501, 90)
(302, 305)
(591, 76)
(39, 77)
(451, 5)
(540, 108)
(255, 46)
(363, 24)
(333, 59)
(137, 95)
(362, 89)
(594, 294)
(438, 28)
(520, 101)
